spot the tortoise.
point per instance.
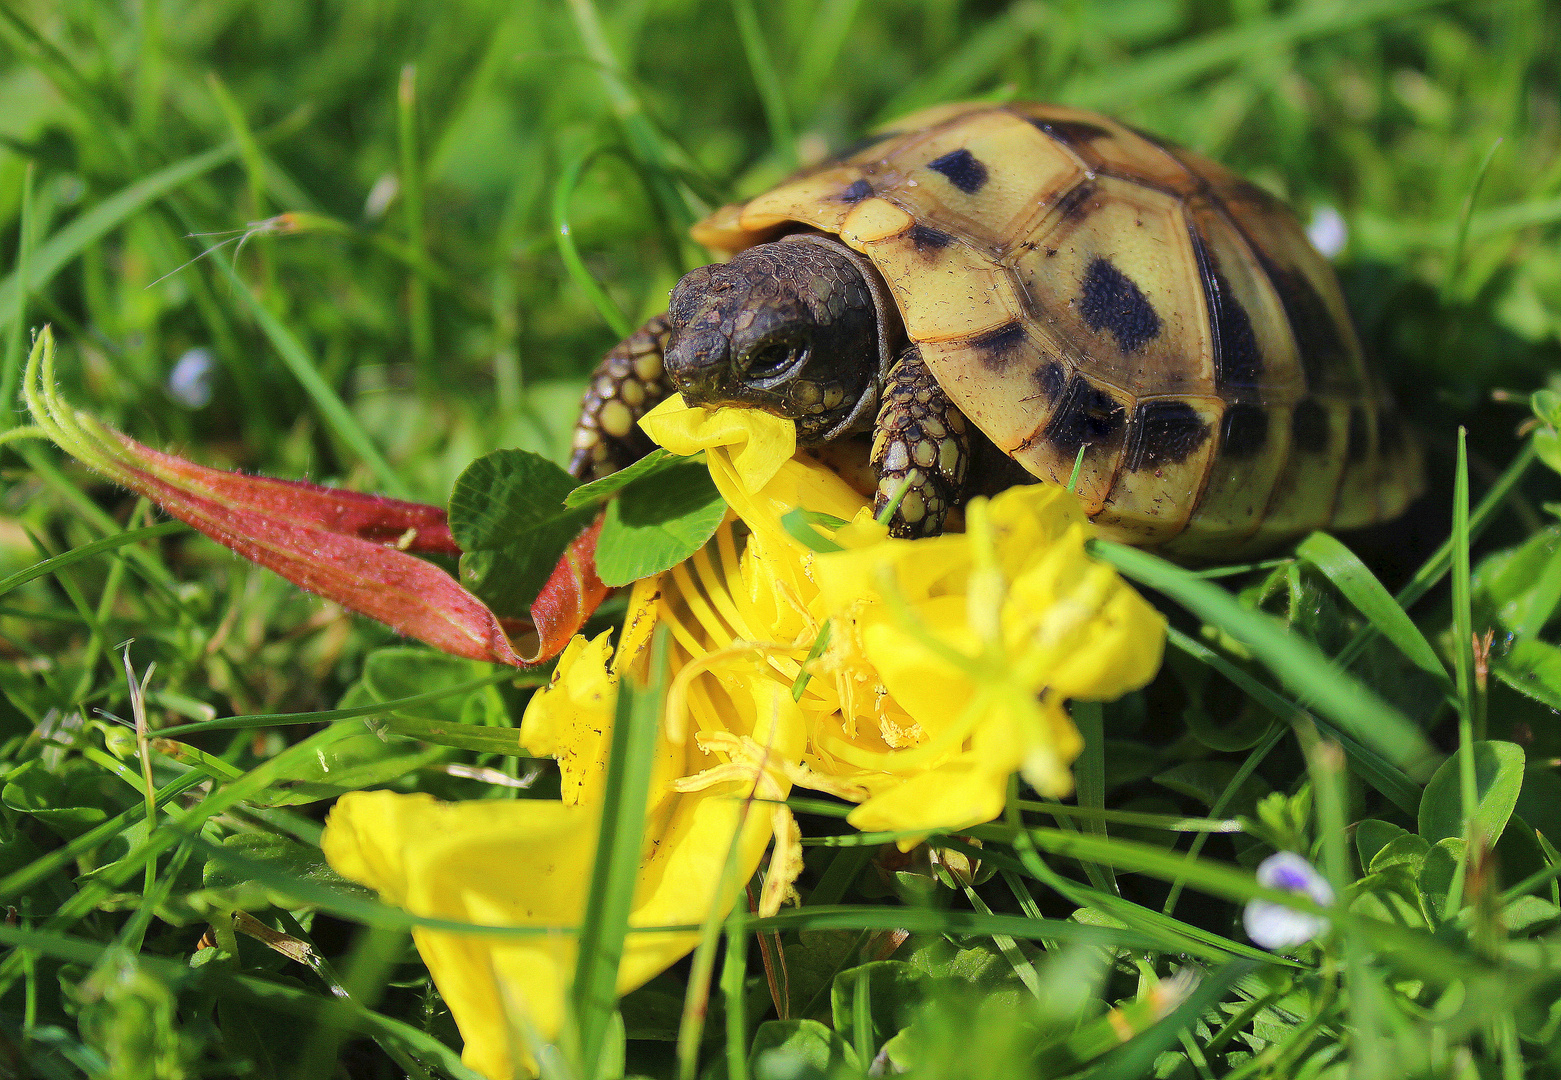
(982, 287)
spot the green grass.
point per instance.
(485, 195)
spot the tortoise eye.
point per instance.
(770, 360)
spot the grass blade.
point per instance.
(11, 377)
(1297, 664)
(563, 192)
(1360, 586)
(92, 226)
(417, 240)
(331, 407)
(772, 94)
(1146, 77)
(605, 923)
(86, 551)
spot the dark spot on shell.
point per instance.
(1390, 430)
(1087, 415)
(998, 345)
(856, 191)
(1237, 360)
(1309, 428)
(1360, 434)
(962, 170)
(1246, 430)
(1051, 378)
(1317, 335)
(1071, 206)
(929, 239)
(1165, 433)
(1109, 300)
(1072, 132)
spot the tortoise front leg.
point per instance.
(921, 441)
(627, 384)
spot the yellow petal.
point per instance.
(956, 795)
(571, 717)
(523, 862)
(757, 443)
(934, 690)
(493, 862)
(937, 566)
(1121, 653)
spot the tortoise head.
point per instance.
(792, 327)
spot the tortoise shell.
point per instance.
(1075, 284)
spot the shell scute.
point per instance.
(821, 199)
(1111, 148)
(984, 179)
(1116, 277)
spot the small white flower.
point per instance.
(381, 195)
(1275, 926)
(1328, 231)
(190, 381)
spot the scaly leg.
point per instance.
(626, 385)
(921, 440)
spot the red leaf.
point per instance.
(328, 541)
(409, 526)
(570, 595)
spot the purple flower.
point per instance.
(1275, 926)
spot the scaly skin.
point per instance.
(921, 440)
(629, 382)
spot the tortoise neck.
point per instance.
(891, 327)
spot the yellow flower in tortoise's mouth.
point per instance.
(948, 660)
(944, 669)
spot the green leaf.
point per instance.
(1372, 835)
(395, 673)
(1521, 586)
(1532, 668)
(31, 789)
(657, 523)
(1437, 874)
(793, 1049)
(1527, 913)
(1498, 770)
(600, 490)
(282, 855)
(1360, 586)
(894, 989)
(1547, 446)
(1547, 406)
(507, 513)
(1406, 850)
(504, 495)
(1206, 781)
(981, 965)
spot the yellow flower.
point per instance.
(949, 659)
(947, 665)
(528, 862)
